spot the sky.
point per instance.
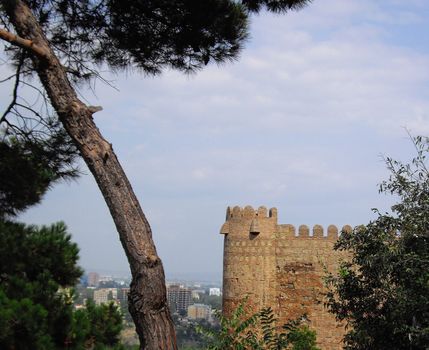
(300, 122)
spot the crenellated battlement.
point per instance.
(248, 212)
(247, 220)
(303, 231)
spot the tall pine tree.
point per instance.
(59, 40)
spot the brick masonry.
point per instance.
(276, 266)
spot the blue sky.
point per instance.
(300, 122)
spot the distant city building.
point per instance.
(93, 279)
(214, 291)
(199, 311)
(103, 295)
(123, 294)
(196, 293)
(179, 297)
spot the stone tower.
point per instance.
(275, 266)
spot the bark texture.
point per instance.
(147, 298)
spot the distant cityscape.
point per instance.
(188, 300)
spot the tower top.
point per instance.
(247, 220)
(248, 212)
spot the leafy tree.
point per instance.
(188, 335)
(97, 326)
(36, 264)
(59, 40)
(302, 338)
(37, 272)
(258, 331)
(382, 292)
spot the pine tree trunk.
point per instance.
(147, 299)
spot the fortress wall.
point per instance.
(280, 266)
(300, 266)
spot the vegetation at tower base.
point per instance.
(258, 331)
(383, 291)
(60, 40)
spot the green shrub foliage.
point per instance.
(258, 331)
(382, 292)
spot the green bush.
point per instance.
(382, 292)
(258, 331)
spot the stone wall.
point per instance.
(276, 266)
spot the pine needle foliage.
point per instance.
(37, 264)
(279, 6)
(38, 269)
(28, 168)
(149, 35)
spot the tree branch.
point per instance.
(15, 89)
(24, 43)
